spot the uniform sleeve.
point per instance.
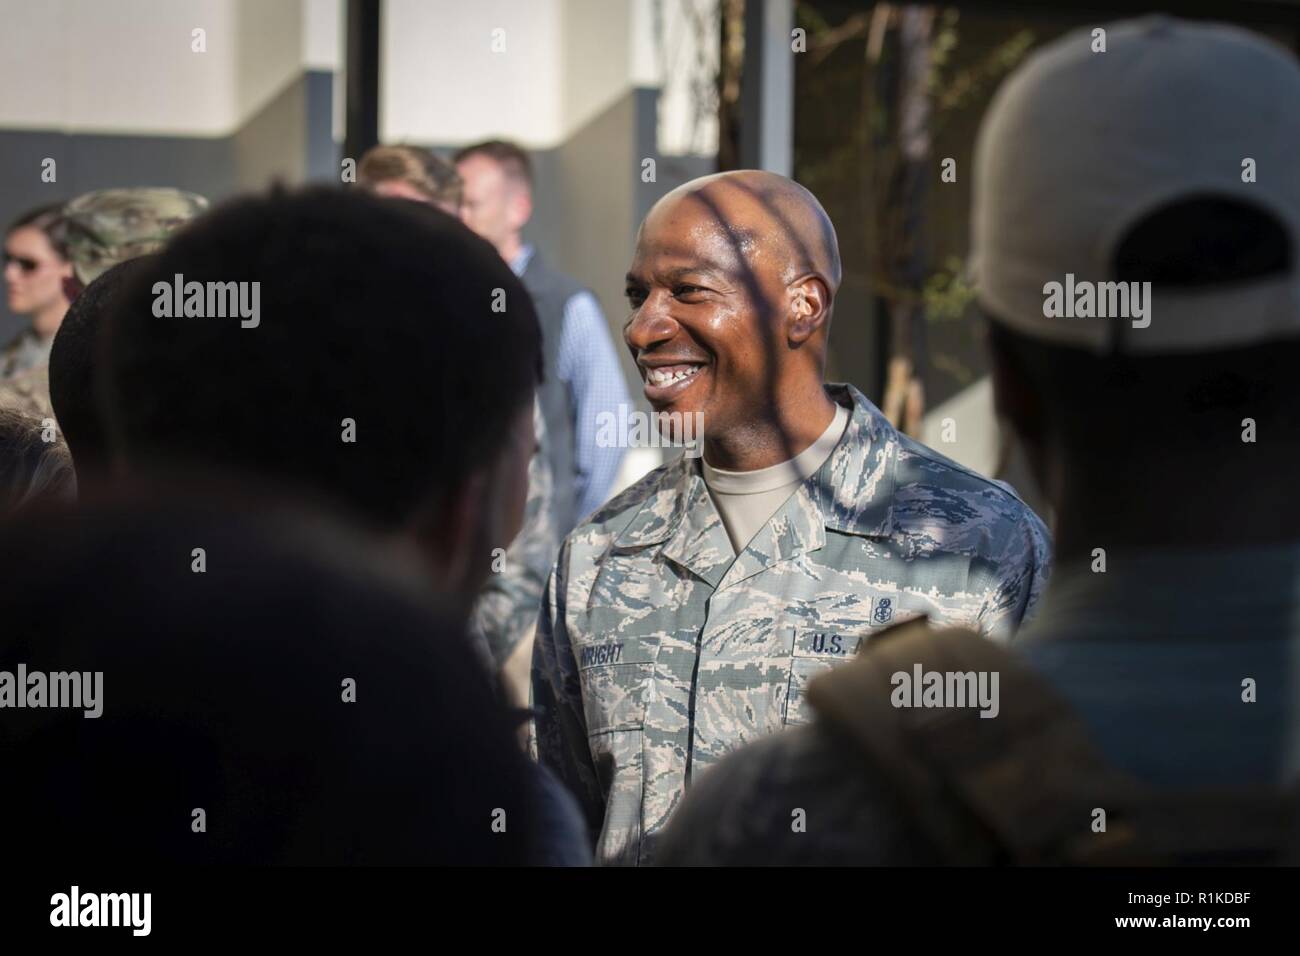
(1024, 568)
(560, 728)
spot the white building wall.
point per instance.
(129, 66)
(565, 62)
(442, 82)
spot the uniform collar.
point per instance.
(855, 488)
(852, 493)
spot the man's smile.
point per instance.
(664, 382)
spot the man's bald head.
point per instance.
(765, 216)
(731, 289)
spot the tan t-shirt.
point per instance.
(746, 500)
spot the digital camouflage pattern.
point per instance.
(26, 351)
(506, 610)
(109, 226)
(28, 391)
(25, 376)
(659, 651)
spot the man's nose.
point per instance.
(651, 324)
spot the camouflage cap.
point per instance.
(109, 226)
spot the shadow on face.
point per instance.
(724, 272)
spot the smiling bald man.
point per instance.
(685, 617)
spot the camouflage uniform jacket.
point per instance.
(659, 650)
(28, 391)
(27, 350)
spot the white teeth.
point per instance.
(665, 376)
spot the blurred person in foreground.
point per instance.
(1147, 714)
(282, 691)
(582, 375)
(404, 413)
(373, 378)
(72, 370)
(504, 615)
(685, 617)
(506, 611)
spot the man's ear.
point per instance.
(810, 308)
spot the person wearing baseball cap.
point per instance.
(109, 226)
(97, 231)
(1134, 234)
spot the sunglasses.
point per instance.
(27, 265)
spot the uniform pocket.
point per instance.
(617, 679)
(812, 653)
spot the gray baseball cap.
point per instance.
(1078, 146)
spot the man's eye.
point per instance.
(683, 290)
(635, 296)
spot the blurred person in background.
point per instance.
(109, 226)
(36, 266)
(96, 231)
(408, 172)
(582, 377)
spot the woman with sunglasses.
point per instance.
(35, 267)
